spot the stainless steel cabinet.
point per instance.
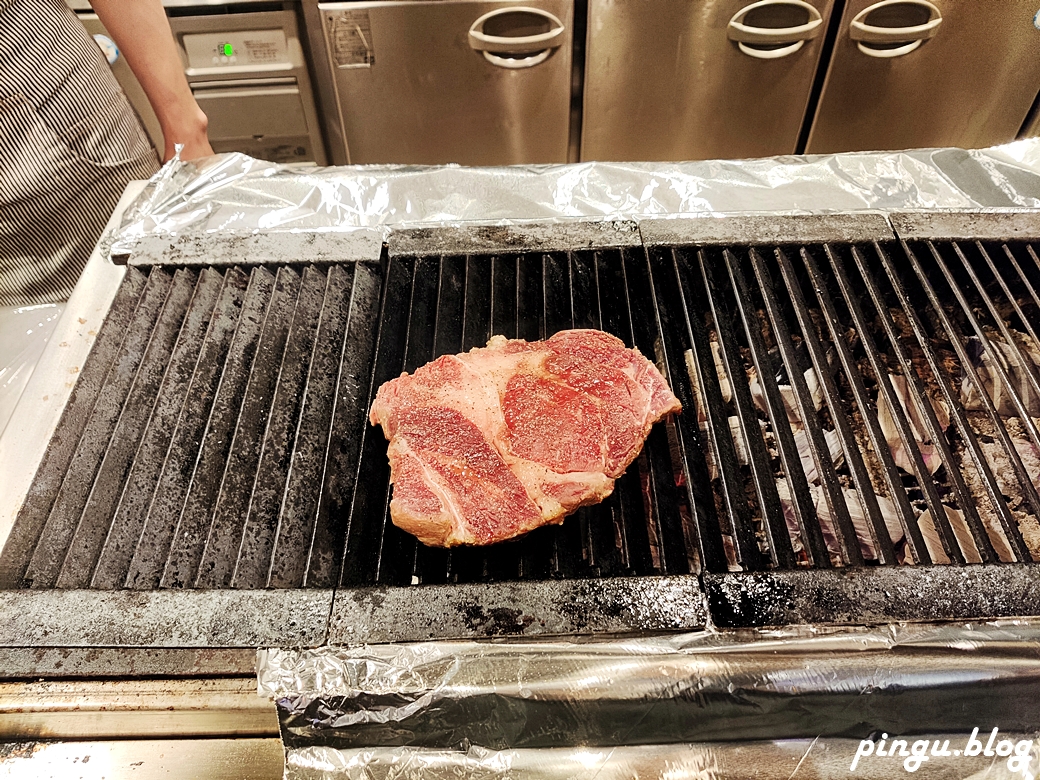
(913, 73)
(675, 79)
(477, 83)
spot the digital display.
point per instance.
(228, 50)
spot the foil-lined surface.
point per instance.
(234, 192)
(429, 666)
(794, 702)
(805, 759)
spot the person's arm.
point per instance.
(142, 33)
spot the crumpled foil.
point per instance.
(527, 709)
(234, 192)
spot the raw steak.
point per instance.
(493, 443)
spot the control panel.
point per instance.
(239, 49)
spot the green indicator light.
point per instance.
(229, 50)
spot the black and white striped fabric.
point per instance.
(69, 143)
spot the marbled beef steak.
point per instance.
(493, 443)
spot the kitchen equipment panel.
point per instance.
(248, 73)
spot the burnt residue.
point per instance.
(496, 621)
(549, 607)
(16, 750)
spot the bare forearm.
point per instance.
(142, 32)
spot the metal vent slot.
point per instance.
(217, 402)
(447, 304)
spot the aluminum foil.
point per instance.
(422, 707)
(764, 760)
(233, 192)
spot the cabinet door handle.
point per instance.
(744, 34)
(539, 46)
(912, 36)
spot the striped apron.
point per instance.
(69, 143)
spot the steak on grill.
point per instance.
(490, 444)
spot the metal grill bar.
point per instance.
(980, 333)
(957, 340)
(193, 518)
(94, 522)
(342, 455)
(906, 435)
(262, 524)
(503, 299)
(216, 550)
(167, 498)
(459, 322)
(963, 426)
(436, 286)
(558, 308)
(881, 541)
(48, 556)
(217, 411)
(445, 304)
(298, 512)
(748, 554)
(915, 542)
(51, 473)
(664, 498)
(113, 562)
(1021, 274)
(845, 533)
(924, 405)
(220, 436)
(682, 336)
(1010, 296)
(805, 511)
(615, 312)
(367, 509)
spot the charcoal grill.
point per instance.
(213, 480)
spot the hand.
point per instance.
(190, 130)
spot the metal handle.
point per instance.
(770, 54)
(744, 34)
(915, 35)
(523, 44)
(518, 63)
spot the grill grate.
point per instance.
(852, 411)
(865, 325)
(447, 304)
(218, 400)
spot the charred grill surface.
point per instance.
(856, 415)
